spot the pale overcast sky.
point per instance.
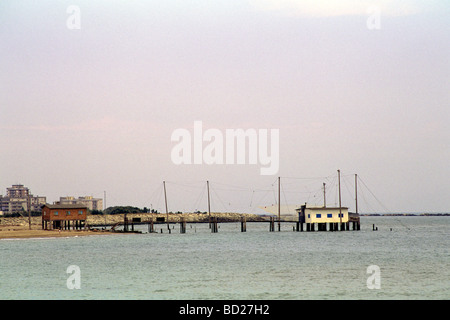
(89, 110)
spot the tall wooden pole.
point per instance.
(340, 208)
(209, 204)
(104, 206)
(324, 197)
(165, 200)
(279, 208)
(29, 210)
(356, 193)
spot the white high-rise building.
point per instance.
(18, 199)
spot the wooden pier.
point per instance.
(130, 225)
(310, 218)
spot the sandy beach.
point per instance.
(15, 232)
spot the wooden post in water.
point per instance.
(272, 224)
(214, 227)
(150, 226)
(243, 224)
(182, 225)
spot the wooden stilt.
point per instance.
(150, 226)
(214, 227)
(272, 224)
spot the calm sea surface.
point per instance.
(413, 259)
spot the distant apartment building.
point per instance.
(18, 199)
(88, 201)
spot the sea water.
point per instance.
(411, 255)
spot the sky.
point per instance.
(89, 100)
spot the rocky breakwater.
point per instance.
(97, 220)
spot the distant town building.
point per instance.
(88, 201)
(19, 199)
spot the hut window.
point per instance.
(68, 213)
(329, 215)
(80, 212)
(56, 213)
(318, 215)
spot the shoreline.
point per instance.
(23, 232)
(18, 227)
